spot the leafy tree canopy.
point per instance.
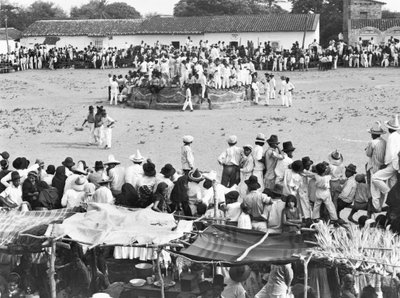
(100, 9)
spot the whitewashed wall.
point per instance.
(12, 46)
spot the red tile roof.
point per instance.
(381, 24)
(175, 25)
(13, 34)
(235, 23)
(83, 27)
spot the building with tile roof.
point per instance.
(362, 20)
(281, 29)
(13, 35)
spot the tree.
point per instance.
(41, 10)
(331, 16)
(100, 9)
(186, 8)
(15, 16)
(387, 14)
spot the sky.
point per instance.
(160, 6)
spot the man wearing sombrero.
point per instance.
(116, 174)
(379, 186)
(272, 155)
(135, 171)
(375, 150)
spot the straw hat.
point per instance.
(79, 184)
(248, 146)
(260, 137)
(195, 176)
(394, 123)
(188, 139)
(112, 160)
(232, 140)
(136, 157)
(376, 129)
(336, 158)
(78, 169)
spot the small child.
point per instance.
(244, 221)
(188, 100)
(361, 198)
(246, 165)
(322, 193)
(160, 198)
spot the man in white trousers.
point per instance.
(108, 123)
(289, 87)
(272, 83)
(283, 90)
(188, 99)
(387, 175)
(267, 88)
(90, 121)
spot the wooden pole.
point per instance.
(214, 186)
(305, 263)
(159, 273)
(52, 269)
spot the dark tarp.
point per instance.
(51, 40)
(226, 244)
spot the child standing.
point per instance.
(188, 99)
(246, 165)
(90, 120)
(322, 193)
(244, 221)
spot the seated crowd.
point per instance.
(262, 188)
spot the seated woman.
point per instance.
(291, 219)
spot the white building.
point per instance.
(282, 30)
(13, 36)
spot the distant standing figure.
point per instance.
(114, 90)
(108, 123)
(90, 121)
(289, 87)
(187, 157)
(283, 90)
(188, 100)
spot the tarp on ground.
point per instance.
(226, 244)
(105, 224)
(14, 224)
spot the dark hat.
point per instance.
(4, 163)
(91, 107)
(168, 170)
(149, 169)
(273, 139)
(252, 182)
(240, 273)
(218, 280)
(15, 176)
(320, 168)
(288, 147)
(276, 192)
(5, 155)
(195, 176)
(17, 163)
(297, 166)
(51, 169)
(351, 168)
(306, 161)
(204, 286)
(24, 163)
(68, 162)
(98, 165)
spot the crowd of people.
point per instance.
(237, 60)
(262, 186)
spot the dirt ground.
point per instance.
(332, 110)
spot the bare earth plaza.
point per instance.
(232, 149)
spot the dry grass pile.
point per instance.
(369, 249)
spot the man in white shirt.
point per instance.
(116, 174)
(12, 196)
(379, 186)
(283, 90)
(108, 123)
(103, 194)
(230, 160)
(283, 164)
(289, 87)
(258, 155)
(187, 157)
(134, 172)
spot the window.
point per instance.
(275, 45)
(175, 44)
(98, 43)
(364, 14)
(234, 44)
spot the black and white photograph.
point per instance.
(199, 149)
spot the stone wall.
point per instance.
(358, 7)
(367, 32)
